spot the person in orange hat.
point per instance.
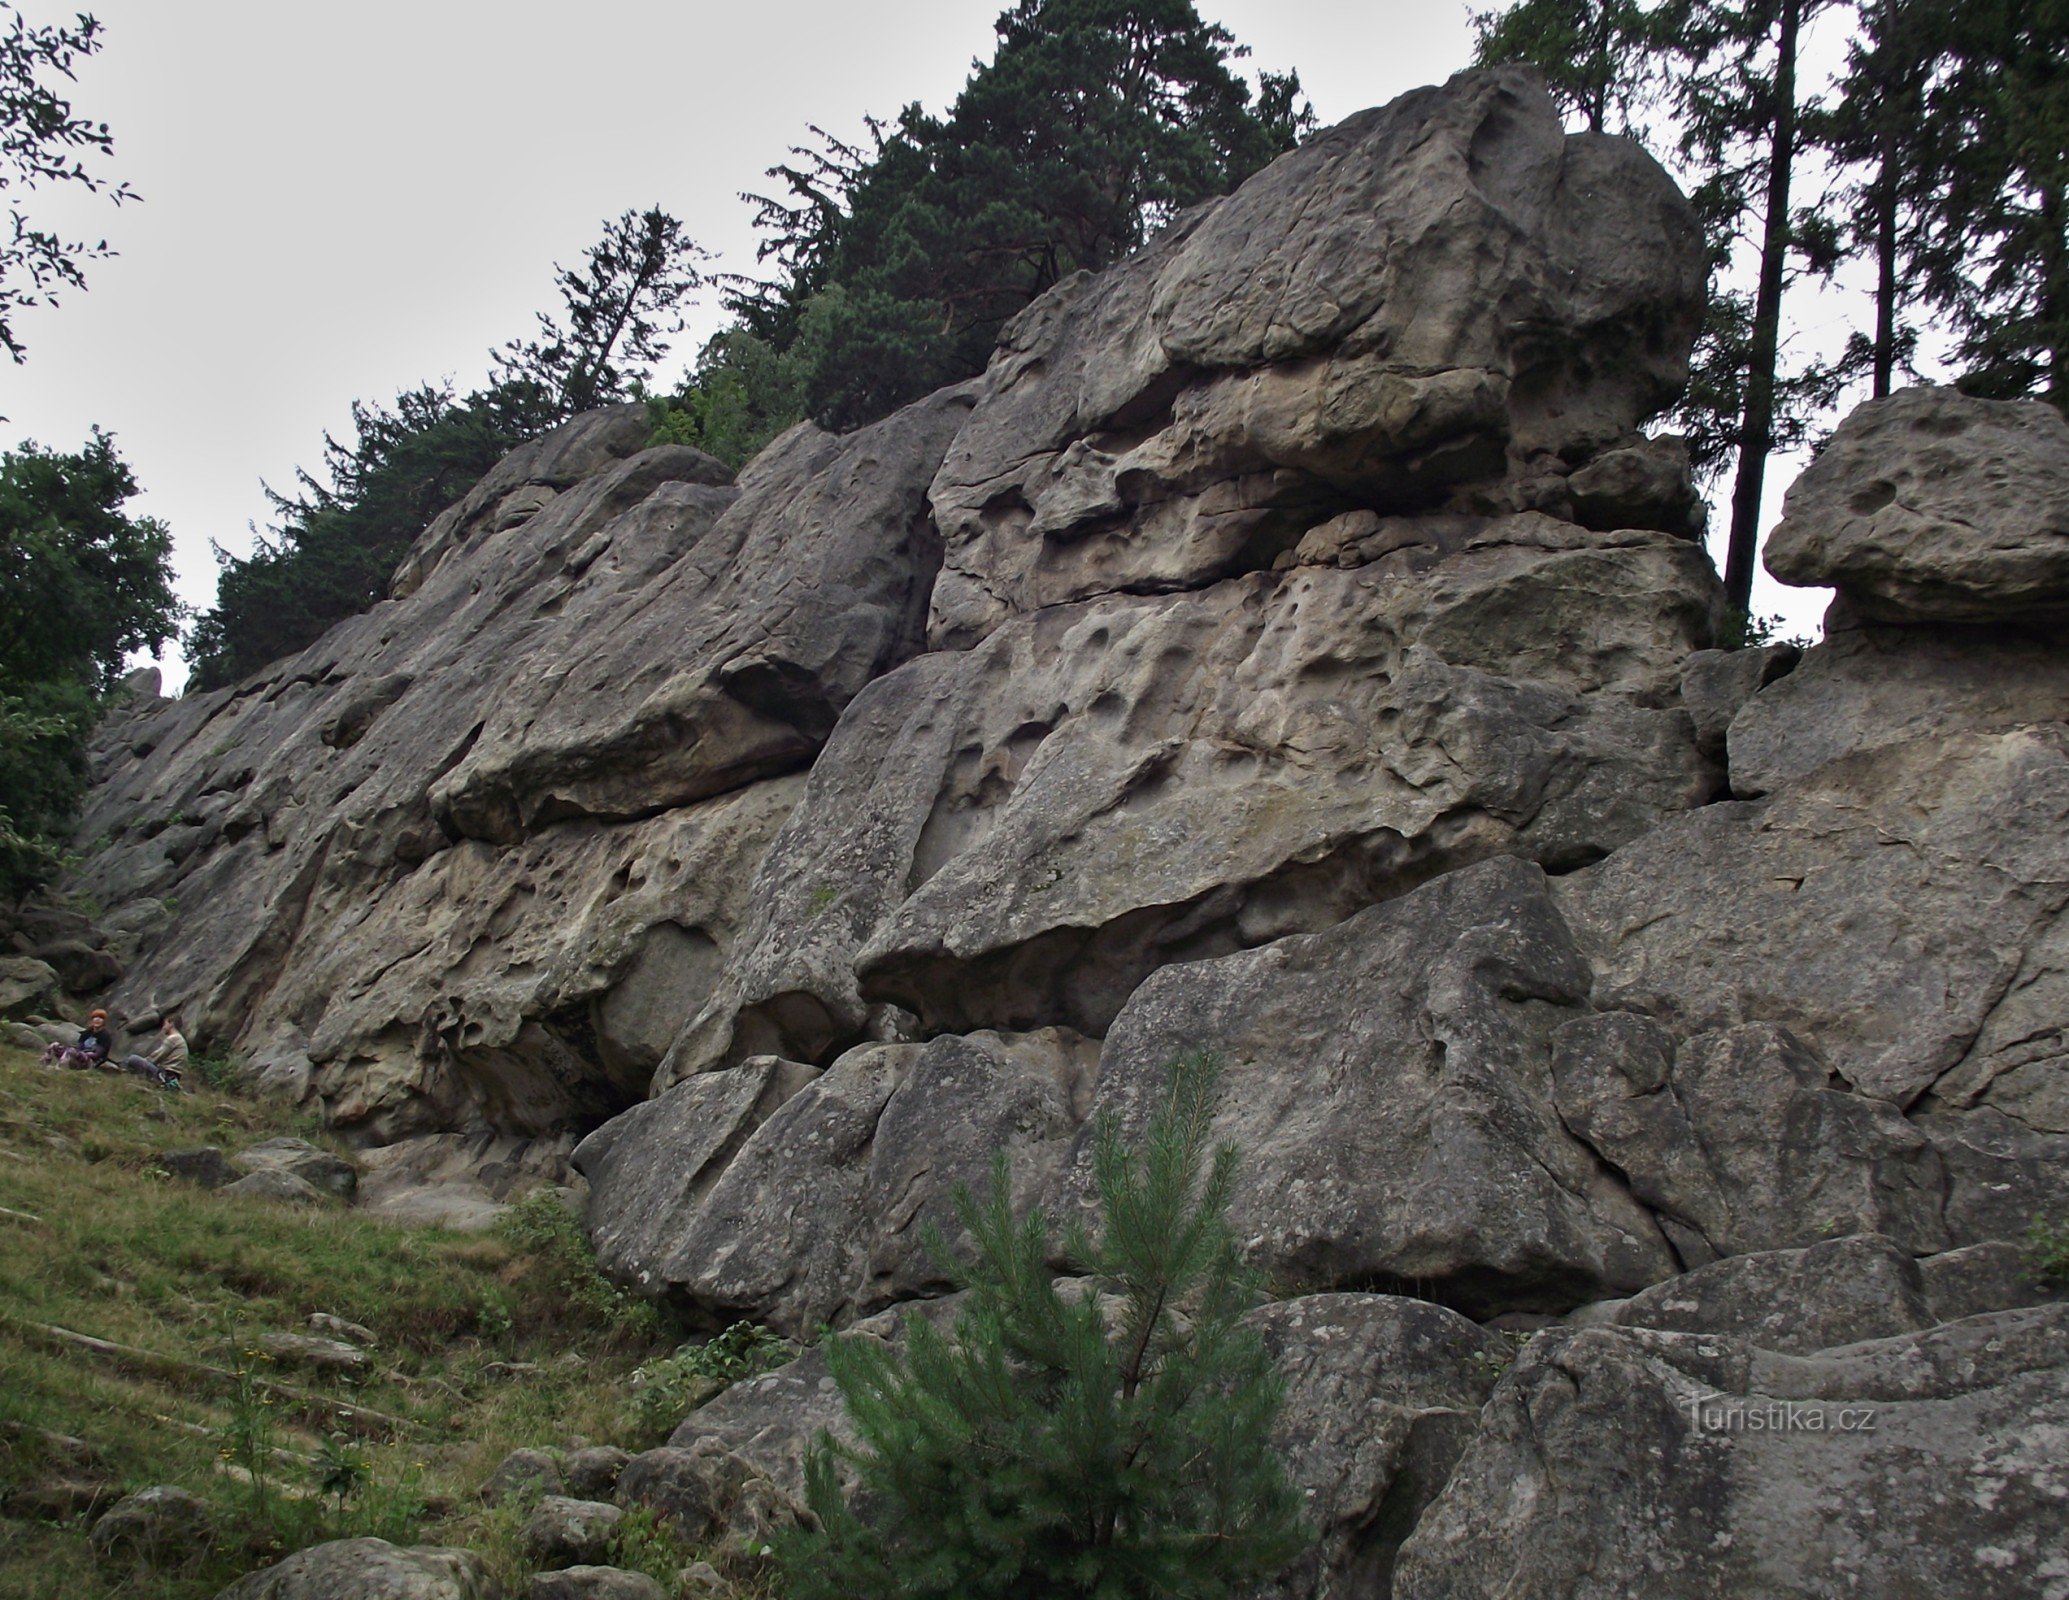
(94, 1048)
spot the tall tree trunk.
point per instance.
(1885, 269)
(1756, 437)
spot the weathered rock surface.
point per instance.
(1390, 1086)
(456, 1180)
(369, 1569)
(594, 1583)
(1445, 301)
(769, 1192)
(563, 1532)
(1930, 506)
(734, 663)
(333, 1174)
(1015, 836)
(1382, 1395)
(465, 864)
(1614, 1462)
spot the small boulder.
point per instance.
(205, 1165)
(369, 1569)
(597, 1583)
(285, 1187)
(592, 1473)
(694, 1488)
(571, 1533)
(26, 985)
(333, 1174)
(158, 1527)
(524, 1476)
(338, 1328)
(311, 1353)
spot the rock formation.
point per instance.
(1291, 646)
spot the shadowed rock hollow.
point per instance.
(1291, 645)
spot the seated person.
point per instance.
(93, 1049)
(162, 1066)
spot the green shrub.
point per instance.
(1111, 1441)
(2049, 1252)
(667, 1390)
(544, 1228)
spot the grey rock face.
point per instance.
(1381, 1397)
(1614, 1462)
(1871, 686)
(751, 1196)
(1015, 836)
(1740, 1141)
(1443, 301)
(1896, 909)
(337, 920)
(735, 662)
(369, 1569)
(275, 1184)
(1930, 506)
(1389, 1084)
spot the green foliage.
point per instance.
(43, 143)
(2048, 1252)
(542, 1225)
(667, 1390)
(1095, 121)
(81, 584)
(742, 393)
(339, 537)
(1595, 55)
(620, 308)
(644, 1542)
(1750, 632)
(1109, 1440)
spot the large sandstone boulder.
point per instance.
(1444, 301)
(1613, 1462)
(1930, 506)
(796, 1199)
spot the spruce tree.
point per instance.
(1092, 125)
(1108, 1438)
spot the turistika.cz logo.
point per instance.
(1718, 1414)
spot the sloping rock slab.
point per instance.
(1620, 1462)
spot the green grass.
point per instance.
(124, 1253)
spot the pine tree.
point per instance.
(1598, 56)
(1095, 121)
(1994, 257)
(1108, 1439)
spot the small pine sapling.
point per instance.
(1107, 1438)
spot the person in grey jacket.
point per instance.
(162, 1066)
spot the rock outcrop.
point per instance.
(1291, 647)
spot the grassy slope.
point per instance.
(124, 1253)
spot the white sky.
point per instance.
(341, 201)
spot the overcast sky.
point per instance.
(343, 201)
